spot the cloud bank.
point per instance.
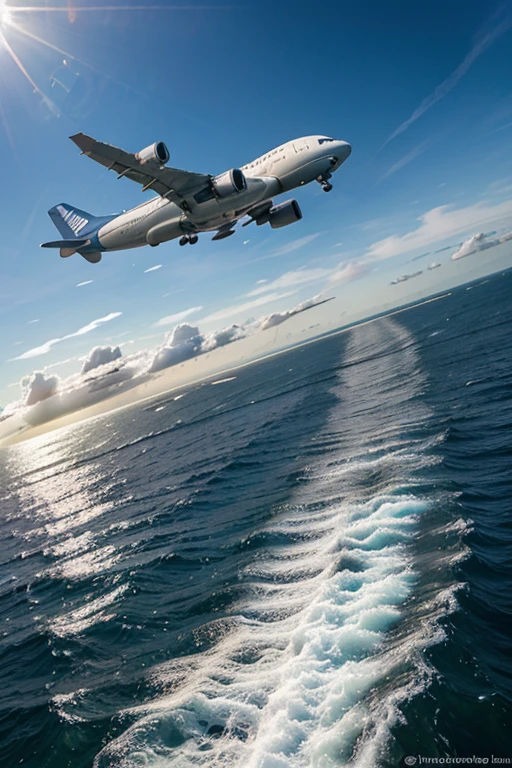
(479, 242)
(45, 397)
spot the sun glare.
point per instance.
(5, 14)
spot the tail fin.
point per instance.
(72, 222)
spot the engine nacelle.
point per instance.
(229, 183)
(284, 213)
(157, 152)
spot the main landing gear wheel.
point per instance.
(192, 239)
(326, 186)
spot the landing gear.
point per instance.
(324, 181)
(192, 239)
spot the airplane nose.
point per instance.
(341, 152)
(344, 151)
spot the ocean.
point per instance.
(306, 562)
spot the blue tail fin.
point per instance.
(72, 222)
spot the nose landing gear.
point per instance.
(323, 180)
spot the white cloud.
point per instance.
(37, 387)
(346, 273)
(239, 309)
(153, 269)
(86, 282)
(93, 325)
(479, 242)
(222, 337)
(471, 245)
(100, 356)
(177, 317)
(290, 280)
(182, 343)
(276, 318)
(439, 224)
(45, 348)
(30, 322)
(485, 38)
(260, 282)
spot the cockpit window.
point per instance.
(322, 141)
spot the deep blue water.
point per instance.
(308, 564)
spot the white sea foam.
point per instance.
(305, 673)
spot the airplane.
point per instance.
(189, 204)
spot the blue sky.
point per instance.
(423, 92)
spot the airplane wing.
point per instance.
(168, 182)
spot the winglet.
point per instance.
(82, 141)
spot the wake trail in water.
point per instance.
(307, 670)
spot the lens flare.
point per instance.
(19, 24)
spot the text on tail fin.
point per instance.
(70, 221)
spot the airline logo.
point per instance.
(75, 222)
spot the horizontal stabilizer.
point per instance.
(67, 247)
(66, 244)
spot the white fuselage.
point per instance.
(282, 169)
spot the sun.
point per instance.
(5, 14)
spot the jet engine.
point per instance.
(157, 152)
(229, 183)
(283, 214)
